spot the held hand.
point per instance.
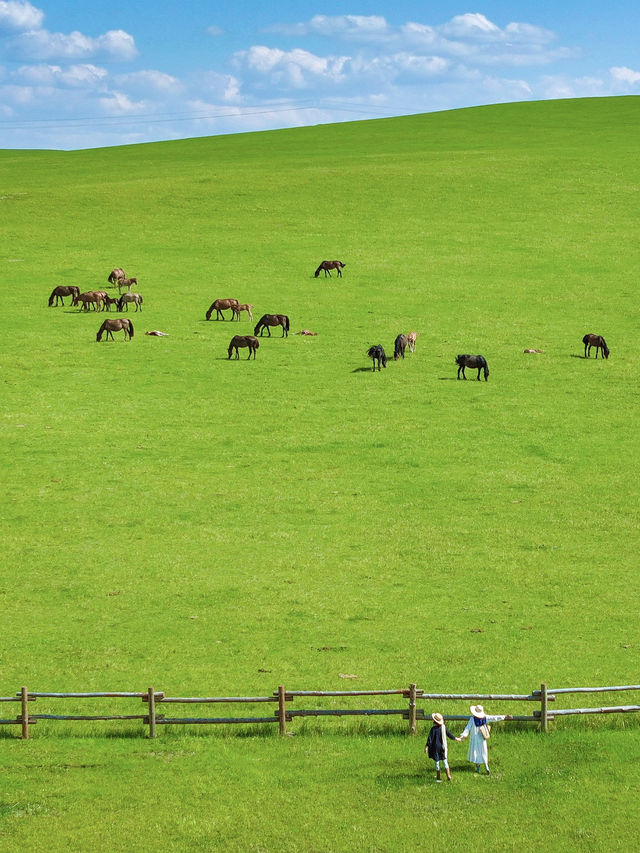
(459, 739)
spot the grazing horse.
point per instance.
(378, 356)
(220, 305)
(108, 301)
(244, 341)
(125, 282)
(115, 275)
(272, 320)
(596, 341)
(411, 340)
(327, 266)
(136, 298)
(91, 297)
(474, 361)
(63, 290)
(119, 324)
(241, 308)
(400, 346)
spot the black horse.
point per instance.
(478, 362)
(596, 341)
(268, 320)
(400, 346)
(377, 354)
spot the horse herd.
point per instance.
(100, 300)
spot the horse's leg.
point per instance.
(479, 369)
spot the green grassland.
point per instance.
(216, 527)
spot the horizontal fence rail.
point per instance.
(153, 700)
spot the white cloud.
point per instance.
(86, 76)
(625, 75)
(150, 82)
(215, 31)
(41, 45)
(19, 16)
(294, 68)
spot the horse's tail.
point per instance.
(286, 323)
(130, 329)
(317, 272)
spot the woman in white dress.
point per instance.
(477, 732)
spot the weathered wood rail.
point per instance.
(284, 713)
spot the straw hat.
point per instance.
(438, 719)
(477, 711)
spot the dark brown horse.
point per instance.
(378, 356)
(244, 341)
(220, 305)
(272, 320)
(327, 266)
(63, 290)
(115, 275)
(119, 324)
(478, 362)
(400, 346)
(108, 301)
(596, 341)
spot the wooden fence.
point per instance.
(285, 713)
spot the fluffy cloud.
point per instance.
(19, 16)
(290, 69)
(23, 38)
(41, 45)
(625, 75)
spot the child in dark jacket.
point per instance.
(436, 746)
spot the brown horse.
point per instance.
(115, 275)
(244, 341)
(327, 266)
(400, 346)
(478, 362)
(108, 301)
(90, 298)
(412, 337)
(126, 298)
(272, 320)
(117, 325)
(220, 305)
(596, 341)
(125, 282)
(63, 290)
(241, 308)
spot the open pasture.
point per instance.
(216, 527)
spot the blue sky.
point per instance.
(84, 75)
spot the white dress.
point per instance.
(478, 752)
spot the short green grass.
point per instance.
(218, 528)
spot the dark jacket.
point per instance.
(435, 746)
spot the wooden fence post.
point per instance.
(544, 720)
(151, 696)
(24, 702)
(282, 709)
(412, 709)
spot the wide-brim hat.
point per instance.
(477, 711)
(437, 718)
